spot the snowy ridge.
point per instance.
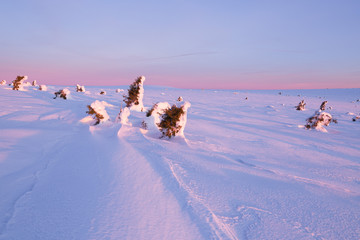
(242, 170)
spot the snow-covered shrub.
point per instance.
(124, 115)
(134, 100)
(356, 118)
(43, 88)
(3, 82)
(319, 120)
(301, 106)
(34, 83)
(119, 90)
(170, 120)
(97, 109)
(180, 99)
(323, 105)
(103, 92)
(80, 88)
(18, 82)
(63, 93)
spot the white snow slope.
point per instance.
(245, 169)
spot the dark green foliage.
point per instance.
(97, 116)
(17, 82)
(169, 122)
(150, 111)
(133, 93)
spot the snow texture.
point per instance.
(244, 171)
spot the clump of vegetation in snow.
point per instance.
(103, 92)
(180, 99)
(169, 125)
(43, 88)
(80, 88)
(301, 106)
(170, 120)
(63, 93)
(323, 105)
(134, 99)
(319, 120)
(97, 109)
(356, 118)
(34, 83)
(3, 82)
(18, 82)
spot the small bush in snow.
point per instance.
(319, 120)
(356, 118)
(119, 90)
(80, 88)
(134, 99)
(301, 106)
(97, 116)
(3, 82)
(180, 99)
(124, 115)
(18, 82)
(323, 105)
(103, 93)
(63, 93)
(97, 109)
(173, 120)
(34, 83)
(43, 88)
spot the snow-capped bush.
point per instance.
(80, 88)
(34, 83)
(103, 93)
(3, 82)
(124, 115)
(180, 99)
(319, 120)
(134, 100)
(119, 90)
(18, 82)
(97, 109)
(63, 93)
(43, 88)
(356, 118)
(170, 120)
(323, 105)
(301, 106)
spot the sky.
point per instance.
(218, 44)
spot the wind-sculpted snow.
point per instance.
(243, 169)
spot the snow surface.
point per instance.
(243, 170)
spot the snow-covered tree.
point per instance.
(180, 99)
(103, 92)
(34, 83)
(80, 88)
(301, 106)
(63, 93)
(319, 120)
(134, 99)
(119, 90)
(124, 114)
(170, 120)
(3, 82)
(97, 109)
(18, 82)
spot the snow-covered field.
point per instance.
(245, 169)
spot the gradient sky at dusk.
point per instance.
(237, 44)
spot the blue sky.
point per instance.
(189, 44)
